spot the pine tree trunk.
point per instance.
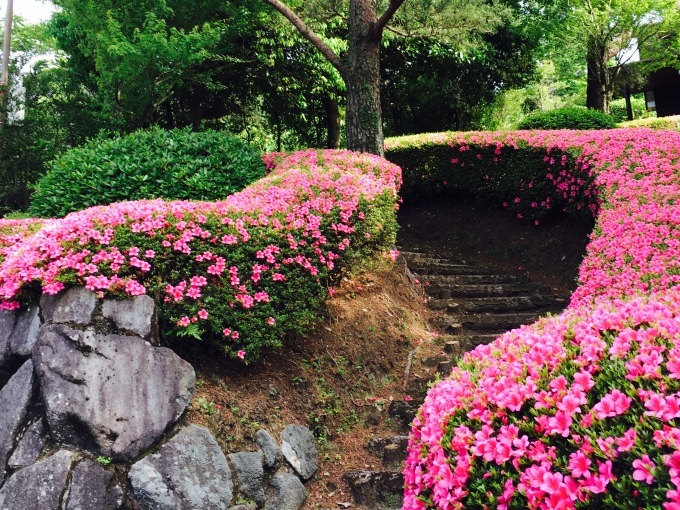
(332, 110)
(364, 116)
(598, 88)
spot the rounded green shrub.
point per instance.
(571, 117)
(153, 163)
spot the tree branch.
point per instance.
(387, 15)
(399, 32)
(310, 35)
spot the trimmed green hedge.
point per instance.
(153, 163)
(497, 171)
(570, 117)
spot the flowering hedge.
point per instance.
(581, 410)
(245, 270)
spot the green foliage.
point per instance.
(568, 118)
(33, 133)
(594, 33)
(137, 58)
(617, 109)
(447, 90)
(231, 65)
(549, 90)
(154, 163)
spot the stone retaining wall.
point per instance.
(89, 410)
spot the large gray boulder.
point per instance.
(111, 395)
(15, 398)
(249, 473)
(270, 450)
(39, 486)
(73, 305)
(7, 321)
(133, 315)
(299, 449)
(30, 445)
(25, 332)
(189, 471)
(93, 488)
(290, 493)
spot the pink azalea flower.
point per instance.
(644, 469)
(613, 403)
(579, 465)
(627, 442)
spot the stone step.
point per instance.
(391, 450)
(444, 367)
(507, 304)
(446, 305)
(377, 490)
(421, 263)
(444, 281)
(402, 413)
(469, 342)
(422, 269)
(443, 340)
(450, 350)
(415, 256)
(448, 324)
(496, 321)
(482, 290)
(417, 388)
(501, 304)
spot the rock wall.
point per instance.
(89, 410)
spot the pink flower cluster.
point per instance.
(216, 266)
(580, 410)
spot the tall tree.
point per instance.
(299, 89)
(428, 86)
(459, 21)
(135, 55)
(34, 133)
(607, 33)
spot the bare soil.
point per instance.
(340, 379)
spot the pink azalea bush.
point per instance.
(580, 410)
(243, 271)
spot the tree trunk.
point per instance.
(330, 105)
(195, 109)
(364, 116)
(361, 71)
(598, 88)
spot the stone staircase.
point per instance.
(475, 305)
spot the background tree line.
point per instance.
(303, 79)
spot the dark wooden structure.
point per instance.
(661, 89)
(664, 86)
